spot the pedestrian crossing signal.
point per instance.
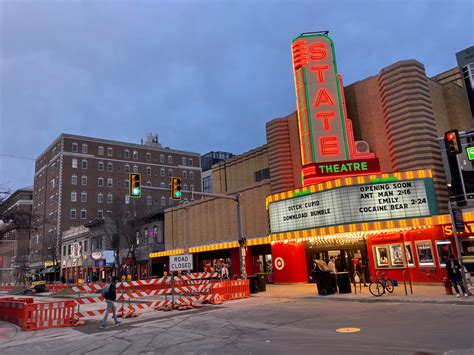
(176, 188)
(135, 185)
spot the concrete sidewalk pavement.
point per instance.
(421, 294)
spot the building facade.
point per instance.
(394, 117)
(14, 243)
(79, 179)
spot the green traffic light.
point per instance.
(178, 193)
(136, 191)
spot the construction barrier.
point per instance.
(9, 287)
(232, 289)
(35, 316)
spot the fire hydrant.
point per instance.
(447, 285)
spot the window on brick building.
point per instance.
(74, 147)
(73, 196)
(84, 148)
(74, 163)
(101, 150)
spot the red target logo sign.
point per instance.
(279, 263)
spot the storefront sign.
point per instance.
(279, 263)
(468, 229)
(325, 131)
(458, 221)
(354, 204)
(320, 116)
(181, 262)
(97, 255)
(76, 250)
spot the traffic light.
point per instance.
(453, 142)
(135, 185)
(176, 188)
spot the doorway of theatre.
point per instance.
(346, 257)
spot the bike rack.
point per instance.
(405, 272)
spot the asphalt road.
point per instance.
(272, 326)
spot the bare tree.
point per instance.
(120, 228)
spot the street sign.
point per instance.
(470, 153)
(181, 262)
(458, 221)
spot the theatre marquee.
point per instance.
(354, 204)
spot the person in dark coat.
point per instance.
(110, 295)
(454, 273)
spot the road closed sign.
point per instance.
(181, 262)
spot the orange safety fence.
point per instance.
(9, 287)
(34, 316)
(232, 289)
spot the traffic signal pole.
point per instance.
(237, 199)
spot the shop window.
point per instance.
(424, 252)
(409, 254)
(444, 249)
(381, 256)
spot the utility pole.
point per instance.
(237, 199)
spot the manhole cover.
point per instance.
(348, 330)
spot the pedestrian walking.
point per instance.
(224, 272)
(360, 268)
(454, 273)
(110, 294)
(333, 270)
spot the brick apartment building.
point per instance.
(14, 244)
(78, 178)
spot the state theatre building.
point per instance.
(345, 176)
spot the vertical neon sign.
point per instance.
(320, 112)
(325, 131)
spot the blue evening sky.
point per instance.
(203, 75)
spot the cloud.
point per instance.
(203, 75)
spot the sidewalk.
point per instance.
(421, 294)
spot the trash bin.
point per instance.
(344, 282)
(253, 283)
(323, 283)
(262, 281)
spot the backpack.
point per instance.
(105, 291)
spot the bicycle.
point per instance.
(381, 285)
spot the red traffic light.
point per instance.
(452, 142)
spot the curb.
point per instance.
(395, 300)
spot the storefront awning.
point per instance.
(345, 230)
